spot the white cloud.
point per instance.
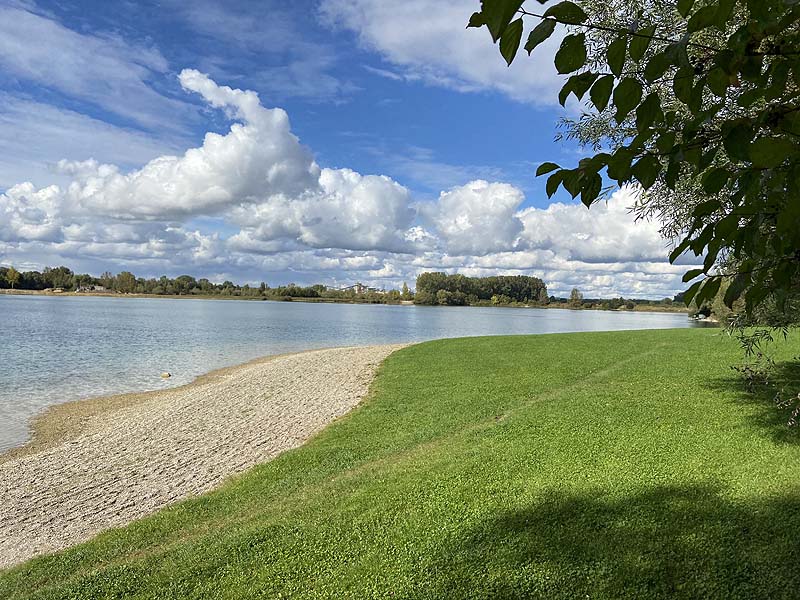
(350, 211)
(256, 159)
(427, 40)
(285, 219)
(102, 70)
(604, 233)
(476, 218)
(30, 214)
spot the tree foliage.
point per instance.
(576, 297)
(702, 98)
(12, 277)
(186, 285)
(460, 290)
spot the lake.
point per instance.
(56, 349)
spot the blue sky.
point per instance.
(417, 148)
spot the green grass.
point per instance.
(601, 465)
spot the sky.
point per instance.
(325, 141)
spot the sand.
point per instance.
(98, 464)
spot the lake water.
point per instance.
(56, 349)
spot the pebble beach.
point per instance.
(98, 464)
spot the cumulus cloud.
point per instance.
(275, 215)
(258, 158)
(476, 218)
(427, 40)
(350, 210)
(604, 233)
(28, 213)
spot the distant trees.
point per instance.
(459, 290)
(125, 282)
(186, 285)
(576, 297)
(12, 277)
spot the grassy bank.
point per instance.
(602, 465)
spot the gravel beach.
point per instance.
(102, 463)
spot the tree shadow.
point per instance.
(671, 542)
(782, 378)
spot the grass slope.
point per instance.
(601, 465)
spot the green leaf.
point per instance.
(627, 96)
(600, 93)
(657, 66)
(768, 153)
(750, 97)
(648, 112)
(666, 142)
(705, 17)
(564, 93)
(591, 189)
(689, 294)
(546, 167)
(736, 141)
(711, 256)
(689, 275)
(726, 227)
(646, 170)
(708, 157)
(619, 166)
(509, 43)
(710, 289)
(706, 208)
(696, 98)
(476, 20)
(578, 85)
(724, 11)
(553, 182)
(616, 54)
(497, 14)
(573, 181)
(715, 179)
(736, 288)
(567, 12)
(539, 34)
(718, 81)
(679, 250)
(571, 56)
(684, 6)
(641, 41)
(682, 84)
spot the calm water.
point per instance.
(58, 349)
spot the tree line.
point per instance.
(433, 288)
(459, 290)
(126, 282)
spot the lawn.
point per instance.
(599, 465)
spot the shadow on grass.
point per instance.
(767, 415)
(671, 542)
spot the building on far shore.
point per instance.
(360, 288)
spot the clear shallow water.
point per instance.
(56, 349)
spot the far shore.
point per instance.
(678, 309)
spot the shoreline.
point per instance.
(57, 422)
(638, 308)
(96, 464)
